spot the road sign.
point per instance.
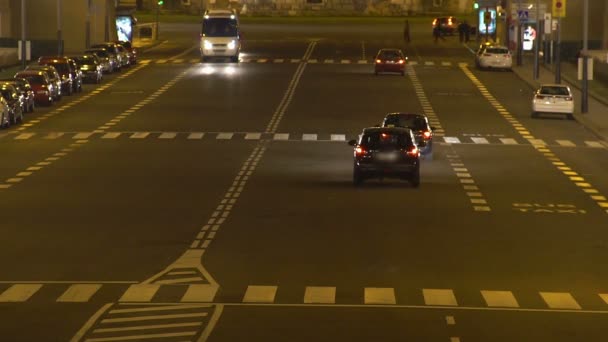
(522, 15)
(530, 8)
(547, 23)
(559, 8)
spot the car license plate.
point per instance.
(386, 156)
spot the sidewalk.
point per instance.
(596, 119)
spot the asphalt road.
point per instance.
(185, 202)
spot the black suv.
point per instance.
(386, 152)
(419, 124)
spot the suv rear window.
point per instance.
(554, 91)
(414, 122)
(379, 140)
(497, 51)
(390, 54)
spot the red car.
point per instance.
(390, 60)
(41, 85)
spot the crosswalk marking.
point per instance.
(537, 142)
(309, 137)
(54, 135)
(139, 135)
(279, 60)
(595, 144)
(111, 135)
(439, 297)
(139, 293)
(224, 136)
(478, 140)
(413, 63)
(253, 136)
(345, 61)
(142, 337)
(147, 327)
(313, 61)
(281, 136)
(260, 294)
(604, 297)
(24, 136)
(500, 299)
(19, 292)
(508, 141)
(338, 137)
(451, 140)
(79, 293)
(196, 135)
(154, 317)
(295, 60)
(320, 295)
(262, 60)
(379, 295)
(560, 300)
(566, 143)
(167, 135)
(362, 61)
(329, 61)
(160, 307)
(200, 293)
(429, 63)
(446, 63)
(82, 135)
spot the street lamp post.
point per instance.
(87, 38)
(59, 38)
(584, 86)
(536, 40)
(23, 19)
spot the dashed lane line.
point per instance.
(539, 144)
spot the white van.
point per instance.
(220, 36)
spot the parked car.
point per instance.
(64, 69)
(4, 113)
(25, 89)
(108, 61)
(112, 49)
(389, 60)
(53, 77)
(90, 68)
(41, 85)
(131, 51)
(14, 101)
(124, 55)
(554, 99)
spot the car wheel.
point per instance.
(569, 116)
(357, 177)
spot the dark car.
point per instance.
(41, 85)
(14, 101)
(386, 152)
(90, 68)
(130, 50)
(390, 60)
(447, 25)
(419, 124)
(53, 76)
(26, 91)
(65, 70)
(106, 59)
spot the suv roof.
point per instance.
(221, 13)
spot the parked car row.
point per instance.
(55, 76)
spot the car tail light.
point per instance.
(507, 56)
(426, 135)
(360, 151)
(538, 97)
(378, 61)
(401, 61)
(413, 152)
(569, 98)
(434, 22)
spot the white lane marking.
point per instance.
(500, 299)
(345, 61)
(537, 142)
(155, 317)
(413, 63)
(260, 294)
(295, 60)
(595, 144)
(167, 135)
(159, 307)
(604, 297)
(54, 135)
(566, 143)
(328, 61)
(451, 140)
(147, 327)
(560, 300)
(362, 61)
(82, 135)
(177, 281)
(111, 135)
(200, 293)
(478, 140)
(508, 141)
(443, 297)
(89, 324)
(196, 135)
(309, 137)
(281, 136)
(139, 293)
(429, 63)
(253, 136)
(446, 63)
(320, 295)
(24, 136)
(450, 320)
(279, 60)
(224, 136)
(19, 292)
(379, 295)
(262, 60)
(79, 293)
(313, 61)
(139, 135)
(338, 137)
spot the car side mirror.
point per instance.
(352, 142)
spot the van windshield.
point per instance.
(220, 27)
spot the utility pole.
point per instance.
(23, 21)
(584, 87)
(537, 40)
(519, 36)
(558, 46)
(157, 12)
(87, 36)
(59, 38)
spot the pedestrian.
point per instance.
(406, 32)
(467, 31)
(437, 33)
(461, 28)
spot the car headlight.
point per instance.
(207, 45)
(232, 45)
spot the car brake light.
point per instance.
(426, 135)
(378, 61)
(401, 61)
(569, 98)
(413, 152)
(360, 151)
(434, 22)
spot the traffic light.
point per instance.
(476, 5)
(161, 2)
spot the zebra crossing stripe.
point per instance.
(478, 140)
(139, 135)
(224, 136)
(439, 297)
(313, 61)
(320, 295)
(508, 141)
(560, 300)
(451, 140)
(200, 293)
(196, 135)
(82, 135)
(338, 137)
(565, 143)
(594, 144)
(279, 60)
(309, 137)
(328, 61)
(19, 292)
(79, 293)
(253, 136)
(111, 135)
(376, 295)
(139, 293)
(167, 135)
(500, 299)
(24, 136)
(281, 136)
